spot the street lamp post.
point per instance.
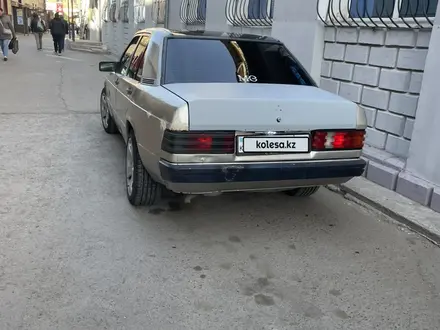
(72, 23)
(68, 20)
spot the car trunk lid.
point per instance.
(250, 107)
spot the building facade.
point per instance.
(381, 54)
(6, 5)
(65, 7)
(21, 11)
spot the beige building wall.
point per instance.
(34, 4)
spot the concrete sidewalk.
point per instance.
(41, 82)
(87, 46)
(412, 215)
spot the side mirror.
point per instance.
(107, 66)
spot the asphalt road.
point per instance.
(75, 255)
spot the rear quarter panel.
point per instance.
(152, 111)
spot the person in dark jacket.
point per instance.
(58, 29)
(38, 28)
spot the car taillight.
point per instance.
(194, 142)
(338, 140)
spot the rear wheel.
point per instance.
(141, 188)
(302, 192)
(107, 121)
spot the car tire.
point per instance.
(302, 192)
(140, 186)
(107, 121)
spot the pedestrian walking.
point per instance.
(38, 28)
(86, 32)
(7, 33)
(58, 29)
(28, 28)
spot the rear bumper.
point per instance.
(205, 177)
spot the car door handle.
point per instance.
(117, 81)
(129, 90)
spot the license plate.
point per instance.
(273, 144)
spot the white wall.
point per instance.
(215, 16)
(424, 152)
(296, 24)
(174, 22)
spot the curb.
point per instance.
(412, 215)
(87, 49)
(101, 52)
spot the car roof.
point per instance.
(167, 33)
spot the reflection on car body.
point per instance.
(206, 112)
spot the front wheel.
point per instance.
(141, 188)
(107, 121)
(302, 192)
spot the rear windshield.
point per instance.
(226, 61)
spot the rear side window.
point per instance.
(126, 57)
(152, 60)
(137, 63)
(224, 61)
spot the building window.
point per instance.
(112, 11)
(260, 9)
(392, 8)
(193, 11)
(139, 11)
(258, 13)
(201, 10)
(371, 8)
(123, 12)
(106, 11)
(418, 8)
(390, 14)
(158, 11)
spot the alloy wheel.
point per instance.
(129, 168)
(104, 111)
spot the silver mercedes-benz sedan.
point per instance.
(208, 113)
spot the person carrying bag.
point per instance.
(38, 29)
(7, 33)
(13, 46)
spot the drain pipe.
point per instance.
(167, 13)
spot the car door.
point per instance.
(111, 91)
(130, 78)
(120, 73)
